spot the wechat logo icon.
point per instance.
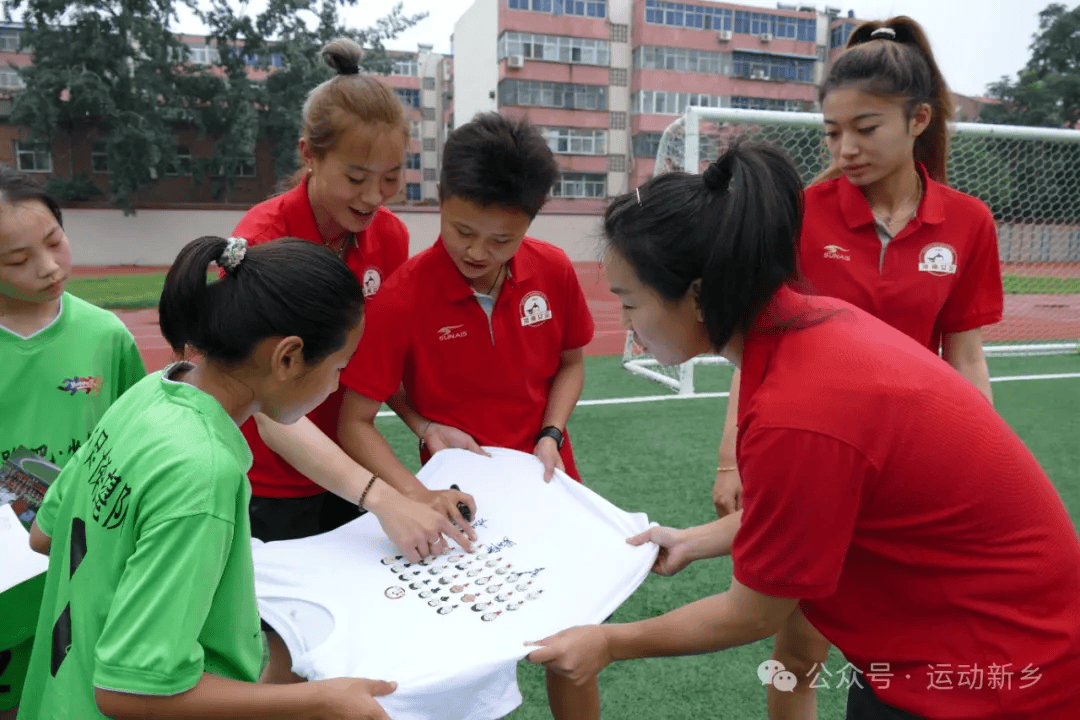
(772, 672)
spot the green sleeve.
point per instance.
(132, 369)
(54, 496)
(149, 644)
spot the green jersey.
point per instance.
(150, 580)
(57, 383)
(54, 387)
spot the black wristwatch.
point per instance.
(552, 432)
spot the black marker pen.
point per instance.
(462, 507)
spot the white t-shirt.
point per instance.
(450, 631)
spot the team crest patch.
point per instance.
(835, 252)
(534, 309)
(938, 259)
(88, 384)
(372, 281)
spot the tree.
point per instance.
(115, 69)
(1047, 90)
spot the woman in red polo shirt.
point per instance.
(884, 232)
(485, 329)
(352, 150)
(852, 512)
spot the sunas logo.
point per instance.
(534, 309)
(88, 384)
(451, 332)
(835, 252)
(938, 259)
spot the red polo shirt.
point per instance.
(921, 535)
(379, 251)
(490, 379)
(940, 274)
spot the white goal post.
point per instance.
(1030, 178)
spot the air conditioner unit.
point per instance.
(758, 74)
(723, 36)
(515, 61)
(766, 37)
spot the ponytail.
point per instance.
(281, 288)
(735, 227)
(893, 59)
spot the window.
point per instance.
(581, 185)
(772, 67)
(33, 157)
(409, 97)
(617, 120)
(412, 161)
(839, 35)
(576, 141)
(584, 8)
(617, 77)
(752, 103)
(646, 145)
(616, 163)
(99, 157)
(203, 55)
(247, 167)
(429, 175)
(755, 23)
(555, 48)
(405, 66)
(619, 33)
(658, 102)
(536, 93)
(428, 113)
(9, 40)
(412, 192)
(682, 60)
(429, 144)
(659, 12)
(429, 83)
(415, 128)
(10, 78)
(182, 164)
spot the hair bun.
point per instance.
(343, 55)
(342, 65)
(717, 176)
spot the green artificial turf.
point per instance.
(1024, 284)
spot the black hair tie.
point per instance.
(717, 176)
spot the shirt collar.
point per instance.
(856, 210)
(299, 217)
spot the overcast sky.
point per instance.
(975, 41)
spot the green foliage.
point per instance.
(1046, 91)
(77, 188)
(114, 70)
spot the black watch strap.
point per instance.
(552, 432)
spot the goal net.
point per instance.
(1029, 177)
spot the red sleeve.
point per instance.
(578, 330)
(977, 298)
(376, 369)
(801, 495)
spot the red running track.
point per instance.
(1027, 317)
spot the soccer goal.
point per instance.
(1030, 178)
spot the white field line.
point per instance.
(711, 395)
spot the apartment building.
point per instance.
(605, 77)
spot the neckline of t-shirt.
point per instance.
(45, 328)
